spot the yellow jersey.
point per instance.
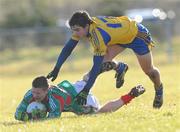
(106, 30)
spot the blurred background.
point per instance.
(35, 29)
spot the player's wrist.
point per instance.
(56, 69)
(86, 90)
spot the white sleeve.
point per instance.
(91, 99)
(79, 85)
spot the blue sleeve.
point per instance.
(97, 60)
(66, 51)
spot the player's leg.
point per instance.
(142, 45)
(112, 52)
(114, 105)
(146, 63)
(147, 66)
(109, 64)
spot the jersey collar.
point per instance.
(91, 27)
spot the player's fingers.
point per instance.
(49, 75)
(77, 100)
(84, 102)
(53, 78)
(81, 101)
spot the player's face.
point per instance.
(39, 93)
(80, 31)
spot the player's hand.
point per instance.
(82, 97)
(37, 114)
(53, 74)
(22, 116)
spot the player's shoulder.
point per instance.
(124, 18)
(53, 102)
(28, 95)
(55, 90)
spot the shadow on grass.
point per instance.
(11, 123)
(14, 123)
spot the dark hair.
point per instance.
(40, 82)
(80, 18)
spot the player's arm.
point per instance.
(97, 61)
(21, 113)
(66, 51)
(54, 108)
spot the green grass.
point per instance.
(17, 70)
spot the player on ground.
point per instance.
(109, 36)
(61, 98)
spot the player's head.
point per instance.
(79, 23)
(40, 88)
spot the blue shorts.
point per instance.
(142, 43)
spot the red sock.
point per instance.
(126, 98)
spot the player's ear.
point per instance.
(87, 27)
(46, 90)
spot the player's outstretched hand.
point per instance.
(22, 116)
(82, 97)
(53, 74)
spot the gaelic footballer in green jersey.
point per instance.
(61, 98)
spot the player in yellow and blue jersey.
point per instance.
(109, 36)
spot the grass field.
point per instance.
(18, 68)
